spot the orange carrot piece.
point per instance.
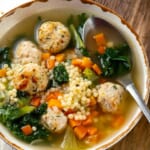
(80, 131)
(87, 62)
(54, 102)
(100, 39)
(101, 49)
(118, 121)
(50, 63)
(2, 72)
(35, 101)
(53, 95)
(27, 129)
(97, 69)
(45, 56)
(74, 123)
(50, 96)
(92, 130)
(87, 121)
(60, 57)
(77, 62)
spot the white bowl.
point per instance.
(140, 62)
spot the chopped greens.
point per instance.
(14, 118)
(115, 61)
(21, 94)
(5, 56)
(60, 74)
(12, 112)
(76, 33)
(40, 133)
(81, 20)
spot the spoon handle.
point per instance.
(133, 91)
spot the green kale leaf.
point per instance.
(115, 61)
(5, 56)
(60, 74)
(75, 28)
(14, 118)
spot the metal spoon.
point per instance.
(95, 25)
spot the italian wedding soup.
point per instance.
(51, 92)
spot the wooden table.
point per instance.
(137, 14)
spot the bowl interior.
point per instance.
(23, 19)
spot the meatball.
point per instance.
(54, 120)
(53, 36)
(27, 52)
(110, 96)
(30, 78)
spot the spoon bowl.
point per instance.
(96, 25)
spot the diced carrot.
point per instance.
(77, 62)
(53, 95)
(50, 96)
(101, 49)
(2, 72)
(27, 129)
(50, 63)
(35, 101)
(57, 93)
(100, 39)
(45, 56)
(97, 69)
(54, 102)
(74, 123)
(87, 121)
(117, 121)
(80, 131)
(87, 62)
(60, 57)
(92, 101)
(92, 130)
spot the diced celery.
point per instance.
(90, 75)
(70, 142)
(22, 111)
(23, 101)
(25, 110)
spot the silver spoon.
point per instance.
(95, 25)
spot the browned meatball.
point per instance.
(53, 36)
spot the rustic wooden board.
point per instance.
(137, 14)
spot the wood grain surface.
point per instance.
(137, 14)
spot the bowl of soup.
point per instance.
(52, 94)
